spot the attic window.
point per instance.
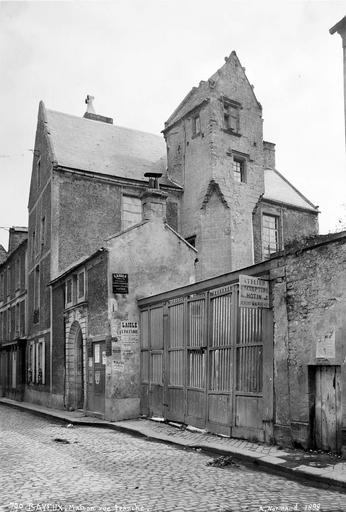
(196, 126)
(231, 116)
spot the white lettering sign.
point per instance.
(253, 292)
(129, 332)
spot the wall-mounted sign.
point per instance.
(325, 347)
(129, 333)
(120, 283)
(253, 292)
(118, 366)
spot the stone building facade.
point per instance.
(13, 315)
(99, 323)
(273, 372)
(216, 152)
(222, 195)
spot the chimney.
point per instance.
(154, 199)
(269, 155)
(91, 114)
(17, 236)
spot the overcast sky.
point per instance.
(139, 58)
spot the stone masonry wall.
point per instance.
(195, 160)
(309, 300)
(294, 224)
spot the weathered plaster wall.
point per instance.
(87, 211)
(156, 260)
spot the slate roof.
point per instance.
(94, 146)
(280, 190)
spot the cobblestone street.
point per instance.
(47, 466)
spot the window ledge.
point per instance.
(231, 132)
(70, 307)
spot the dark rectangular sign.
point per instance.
(120, 283)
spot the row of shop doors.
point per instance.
(204, 363)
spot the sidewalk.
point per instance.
(318, 468)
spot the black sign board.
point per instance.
(120, 283)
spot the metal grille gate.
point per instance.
(202, 362)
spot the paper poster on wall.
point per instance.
(97, 377)
(127, 354)
(104, 358)
(129, 332)
(97, 353)
(90, 362)
(325, 347)
(118, 366)
(108, 369)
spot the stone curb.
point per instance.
(274, 466)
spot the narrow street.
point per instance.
(48, 466)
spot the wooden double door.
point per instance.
(202, 362)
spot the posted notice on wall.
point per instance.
(129, 332)
(253, 292)
(325, 346)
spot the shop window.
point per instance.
(131, 211)
(270, 235)
(36, 373)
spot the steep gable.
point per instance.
(202, 93)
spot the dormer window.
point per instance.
(231, 116)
